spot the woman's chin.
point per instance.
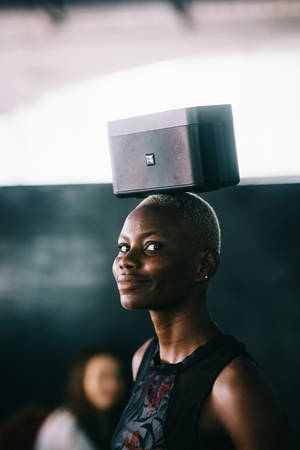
(130, 301)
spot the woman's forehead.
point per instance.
(101, 362)
(152, 219)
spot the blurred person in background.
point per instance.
(92, 408)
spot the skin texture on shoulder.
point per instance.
(138, 356)
(242, 412)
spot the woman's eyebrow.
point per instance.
(146, 234)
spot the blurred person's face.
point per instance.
(102, 381)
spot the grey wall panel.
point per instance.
(57, 293)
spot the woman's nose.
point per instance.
(129, 260)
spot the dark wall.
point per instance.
(57, 293)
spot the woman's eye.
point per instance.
(123, 248)
(153, 246)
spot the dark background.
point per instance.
(57, 293)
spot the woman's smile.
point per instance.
(130, 281)
(155, 263)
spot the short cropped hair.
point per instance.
(196, 211)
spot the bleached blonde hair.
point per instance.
(196, 211)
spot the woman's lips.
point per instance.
(127, 282)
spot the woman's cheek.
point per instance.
(115, 267)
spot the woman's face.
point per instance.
(155, 266)
(102, 381)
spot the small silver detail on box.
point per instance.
(150, 159)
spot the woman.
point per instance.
(195, 387)
(92, 407)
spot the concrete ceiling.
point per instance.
(38, 54)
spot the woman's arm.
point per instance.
(246, 409)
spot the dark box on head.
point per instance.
(190, 149)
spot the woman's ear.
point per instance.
(208, 262)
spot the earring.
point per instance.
(206, 277)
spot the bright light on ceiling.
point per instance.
(62, 138)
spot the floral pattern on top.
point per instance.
(146, 414)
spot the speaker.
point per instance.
(191, 149)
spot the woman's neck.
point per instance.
(183, 330)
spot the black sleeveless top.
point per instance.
(166, 399)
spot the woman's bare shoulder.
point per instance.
(247, 407)
(138, 356)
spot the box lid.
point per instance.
(169, 119)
